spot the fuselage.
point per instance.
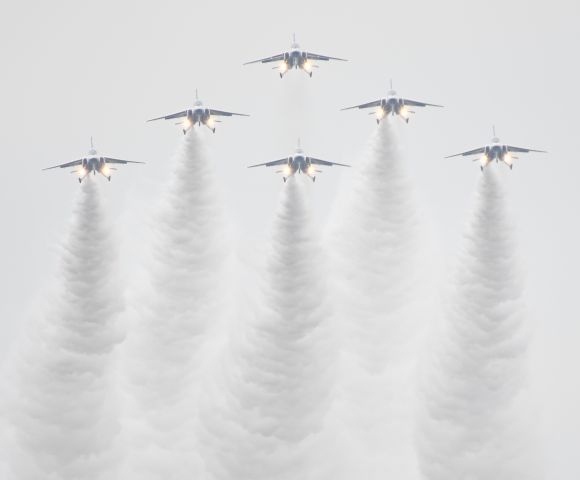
(296, 59)
(199, 115)
(94, 164)
(496, 151)
(392, 105)
(298, 163)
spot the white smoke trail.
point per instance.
(474, 388)
(278, 369)
(173, 320)
(376, 256)
(63, 409)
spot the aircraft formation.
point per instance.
(298, 162)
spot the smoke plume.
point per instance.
(263, 421)
(174, 320)
(63, 408)
(377, 292)
(475, 402)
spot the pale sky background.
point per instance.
(72, 69)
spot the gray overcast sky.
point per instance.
(72, 69)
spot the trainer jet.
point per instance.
(295, 58)
(495, 151)
(392, 105)
(199, 115)
(93, 163)
(298, 162)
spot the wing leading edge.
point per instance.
(318, 161)
(475, 151)
(223, 113)
(375, 103)
(524, 150)
(273, 58)
(324, 58)
(169, 117)
(66, 165)
(415, 103)
(116, 160)
(282, 161)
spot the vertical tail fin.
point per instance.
(92, 146)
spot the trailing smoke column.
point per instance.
(174, 318)
(376, 252)
(65, 425)
(475, 419)
(266, 423)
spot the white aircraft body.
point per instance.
(392, 104)
(500, 152)
(296, 59)
(94, 163)
(298, 162)
(198, 115)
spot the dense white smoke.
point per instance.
(475, 404)
(377, 292)
(63, 410)
(174, 319)
(263, 420)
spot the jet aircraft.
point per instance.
(298, 162)
(199, 115)
(295, 58)
(92, 163)
(392, 105)
(495, 151)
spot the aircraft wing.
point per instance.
(116, 160)
(169, 117)
(376, 103)
(414, 103)
(282, 161)
(221, 113)
(475, 151)
(523, 150)
(324, 58)
(66, 165)
(318, 161)
(274, 58)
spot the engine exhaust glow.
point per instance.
(380, 113)
(404, 111)
(310, 170)
(283, 67)
(484, 160)
(210, 122)
(187, 123)
(106, 171)
(82, 171)
(287, 171)
(307, 65)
